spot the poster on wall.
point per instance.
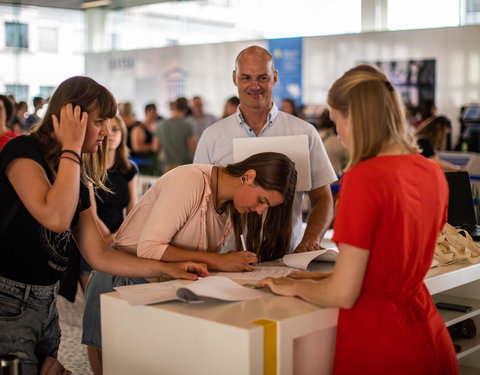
(414, 81)
(287, 56)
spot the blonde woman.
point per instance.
(392, 205)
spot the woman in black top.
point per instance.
(43, 179)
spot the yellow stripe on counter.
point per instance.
(269, 345)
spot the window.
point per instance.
(20, 92)
(16, 35)
(48, 39)
(46, 91)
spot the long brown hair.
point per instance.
(435, 129)
(376, 113)
(274, 171)
(122, 152)
(89, 95)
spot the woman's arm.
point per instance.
(105, 259)
(234, 261)
(132, 191)
(108, 237)
(341, 289)
(52, 205)
(446, 166)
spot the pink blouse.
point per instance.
(177, 210)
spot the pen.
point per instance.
(242, 238)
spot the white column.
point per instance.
(374, 15)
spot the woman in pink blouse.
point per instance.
(190, 212)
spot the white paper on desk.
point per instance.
(221, 288)
(215, 287)
(145, 294)
(257, 274)
(302, 260)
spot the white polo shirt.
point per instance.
(216, 147)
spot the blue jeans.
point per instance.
(99, 283)
(29, 325)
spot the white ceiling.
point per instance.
(77, 4)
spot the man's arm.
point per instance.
(319, 220)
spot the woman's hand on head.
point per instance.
(280, 285)
(237, 261)
(186, 270)
(70, 128)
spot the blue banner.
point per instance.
(287, 56)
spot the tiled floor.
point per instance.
(72, 353)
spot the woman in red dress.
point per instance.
(393, 203)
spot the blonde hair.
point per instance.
(376, 114)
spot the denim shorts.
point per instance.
(99, 283)
(29, 327)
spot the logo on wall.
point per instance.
(121, 63)
(175, 82)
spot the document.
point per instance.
(257, 274)
(216, 287)
(303, 260)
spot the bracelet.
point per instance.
(73, 153)
(69, 158)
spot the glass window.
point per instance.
(16, 35)
(46, 91)
(414, 14)
(20, 92)
(48, 39)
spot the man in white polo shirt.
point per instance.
(257, 116)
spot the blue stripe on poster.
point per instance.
(287, 55)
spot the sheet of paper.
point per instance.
(224, 289)
(257, 274)
(144, 294)
(302, 260)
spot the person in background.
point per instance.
(177, 138)
(31, 120)
(64, 152)
(198, 118)
(336, 151)
(109, 206)
(257, 116)
(289, 106)
(231, 106)
(431, 137)
(189, 213)
(128, 116)
(18, 124)
(145, 143)
(6, 112)
(393, 203)
(426, 109)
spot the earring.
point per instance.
(242, 179)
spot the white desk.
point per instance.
(221, 338)
(217, 337)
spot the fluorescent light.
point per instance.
(93, 4)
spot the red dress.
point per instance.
(393, 206)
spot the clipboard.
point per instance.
(294, 146)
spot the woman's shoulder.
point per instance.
(189, 173)
(23, 145)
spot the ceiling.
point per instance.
(78, 4)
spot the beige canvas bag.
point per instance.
(456, 245)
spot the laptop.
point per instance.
(461, 210)
(294, 146)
